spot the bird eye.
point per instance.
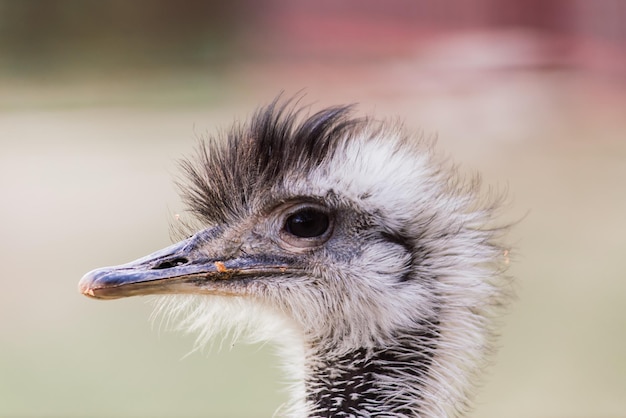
(307, 223)
(306, 226)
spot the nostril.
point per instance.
(168, 264)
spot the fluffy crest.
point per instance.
(230, 172)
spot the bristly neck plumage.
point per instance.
(377, 381)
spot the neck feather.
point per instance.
(373, 381)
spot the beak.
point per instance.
(181, 268)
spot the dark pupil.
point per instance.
(307, 223)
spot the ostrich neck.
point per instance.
(370, 382)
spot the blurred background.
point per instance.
(98, 101)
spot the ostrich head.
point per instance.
(369, 257)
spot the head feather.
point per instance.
(230, 171)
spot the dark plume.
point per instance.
(279, 141)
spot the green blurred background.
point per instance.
(99, 99)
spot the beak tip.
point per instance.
(85, 285)
(88, 292)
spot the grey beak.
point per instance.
(178, 269)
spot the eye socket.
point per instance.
(307, 223)
(306, 226)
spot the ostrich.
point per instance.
(375, 266)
